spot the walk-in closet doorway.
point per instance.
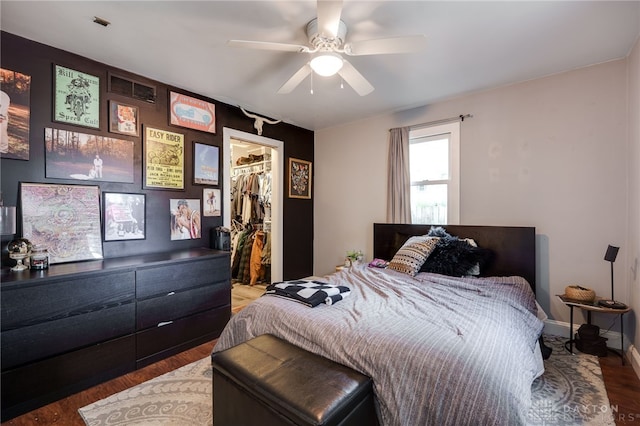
(231, 136)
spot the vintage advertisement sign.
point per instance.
(164, 159)
(192, 113)
(76, 97)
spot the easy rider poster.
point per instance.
(76, 97)
(164, 159)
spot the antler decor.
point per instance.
(259, 121)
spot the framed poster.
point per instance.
(192, 113)
(299, 178)
(15, 111)
(211, 202)
(185, 219)
(74, 155)
(63, 218)
(76, 97)
(124, 216)
(123, 119)
(205, 164)
(163, 159)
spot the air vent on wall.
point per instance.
(132, 89)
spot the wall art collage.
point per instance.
(73, 219)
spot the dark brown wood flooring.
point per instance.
(623, 388)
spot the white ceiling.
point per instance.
(471, 46)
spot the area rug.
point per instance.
(181, 397)
(571, 392)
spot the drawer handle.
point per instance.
(162, 324)
(171, 293)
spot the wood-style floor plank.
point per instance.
(623, 389)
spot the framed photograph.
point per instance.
(15, 111)
(124, 216)
(299, 178)
(185, 219)
(163, 155)
(63, 218)
(206, 159)
(192, 113)
(74, 155)
(211, 202)
(76, 97)
(123, 119)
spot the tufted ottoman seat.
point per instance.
(267, 381)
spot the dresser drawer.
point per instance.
(63, 298)
(207, 325)
(160, 280)
(175, 305)
(27, 344)
(31, 386)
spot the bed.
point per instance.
(440, 349)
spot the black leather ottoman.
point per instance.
(267, 381)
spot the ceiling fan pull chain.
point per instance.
(311, 91)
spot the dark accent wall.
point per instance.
(36, 59)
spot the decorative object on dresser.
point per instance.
(7, 218)
(19, 250)
(65, 218)
(72, 326)
(610, 256)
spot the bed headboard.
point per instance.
(513, 247)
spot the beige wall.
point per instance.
(551, 153)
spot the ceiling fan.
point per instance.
(326, 35)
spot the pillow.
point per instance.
(454, 256)
(413, 254)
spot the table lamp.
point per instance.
(610, 256)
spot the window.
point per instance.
(434, 161)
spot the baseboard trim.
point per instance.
(634, 357)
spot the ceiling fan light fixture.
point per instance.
(326, 64)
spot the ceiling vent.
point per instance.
(132, 89)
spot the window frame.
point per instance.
(453, 183)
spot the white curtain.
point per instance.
(399, 181)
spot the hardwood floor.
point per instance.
(623, 389)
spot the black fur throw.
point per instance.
(453, 256)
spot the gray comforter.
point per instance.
(440, 350)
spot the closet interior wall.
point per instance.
(251, 213)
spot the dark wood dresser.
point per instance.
(74, 325)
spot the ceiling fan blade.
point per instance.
(403, 44)
(329, 12)
(265, 45)
(355, 79)
(295, 79)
